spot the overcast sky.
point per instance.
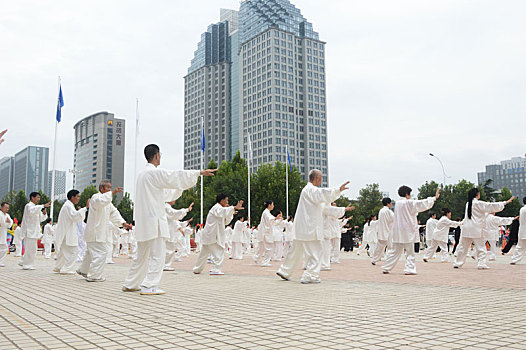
(404, 78)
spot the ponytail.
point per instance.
(267, 203)
(471, 195)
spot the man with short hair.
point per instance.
(98, 233)
(47, 238)
(385, 224)
(151, 228)
(5, 223)
(34, 214)
(214, 238)
(66, 233)
(520, 249)
(308, 226)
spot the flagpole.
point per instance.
(287, 180)
(54, 159)
(248, 166)
(136, 147)
(202, 156)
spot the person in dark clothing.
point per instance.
(457, 237)
(346, 243)
(513, 237)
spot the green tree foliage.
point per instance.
(86, 194)
(369, 203)
(56, 209)
(513, 208)
(17, 202)
(125, 207)
(452, 196)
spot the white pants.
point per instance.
(28, 260)
(237, 250)
(265, 250)
(335, 250)
(372, 247)
(94, 260)
(218, 256)
(393, 255)
(465, 245)
(124, 248)
(146, 269)
(286, 248)
(66, 258)
(3, 252)
(47, 250)
(278, 251)
(81, 248)
(519, 251)
(308, 250)
(18, 245)
(492, 249)
(198, 247)
(433, 248)
(109, 252)
(133, 250)
(325, 255)
(116, 248)
(180, 250)
(378, 253)
(170, 254)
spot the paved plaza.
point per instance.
(355, 307)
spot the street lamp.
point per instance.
(74, 172)
(442, 165)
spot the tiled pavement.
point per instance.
(355, 307)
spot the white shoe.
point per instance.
(152, 291)
(310, 281)
(483, 267)
(410, 273)
(216, 273)
(110, 262)
(2, 265)
(28, 268)
(102, 279)
(178, 260)
(266, 265)
(168, 269)
(326, 269)
(20, 263)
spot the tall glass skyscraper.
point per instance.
(274, 90)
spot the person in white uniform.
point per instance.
(197, 239)
(520, 249)
(431, 224)
(228, 239)
(385, 225)
(247, 238)
(132, 242)
(493, 224)
(440, 236)
(5, 224)
(336, 241)
(331, 214)
(238, 238)
(81, 227)
(173, 244)
(265, 234)
(289, 236)
(18, 239)
(473, 226)
(308, 226)
(34, 214)
(66, 233)
(277, 232)
(151, 228)
(213, 238)
(370, 236)
(114, 235)
(405, 229)
(48, 238)
(98, 231)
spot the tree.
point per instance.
(56, 209)
(86, 194)
(452, 196)
(17, 203)
(125, 207)
(513, 208)
(369, 203)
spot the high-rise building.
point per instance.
(6, 175)
(260, 72)
(60, 184)
(30, 170)
(509, 173)
(99, 151)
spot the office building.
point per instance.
(60, 184)
(509, 173)
(99, 151)
(6, 175)
(259, 71)
(30, 170)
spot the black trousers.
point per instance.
(508, 246)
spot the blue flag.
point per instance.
(288, 158)
(203, 141)
(60, 104)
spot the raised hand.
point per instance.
(239, 206)
(2, 135)
(191, 206)
(350, 208)
(344, 186)
(437, 194)
(47, 205)
(117, 190)
(126, 226)
(510, 200)
(208, 172)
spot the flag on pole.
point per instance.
(288, 158)
(203, 141)
(60, 104)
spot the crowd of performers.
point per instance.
(158, 237)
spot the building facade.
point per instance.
(270, 84)
(509, 173)
(6, 175)
(60, 184)
(99, 151)
(30, 170)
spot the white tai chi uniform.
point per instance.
(151, 229)
(67, 238)
(98, 234)
(277, 232)
(247, 244)
(370, 237)
(331, 227)
(493, 224)
(385, 225)
(405, 233)
(520, 249)
(472, 231)
(173, 242)
(5, 223)
(110, 246)
(17, 241)
(255, 242)
(32, 218)
(431, 224)
(336, 241)
(289, 237)
(308, 227)
(238, 238)
(440, 238)
(197, 240)
(133, 243)
(228, 239)
(265, 238)
(123, 240)
(47, 239)
(81, 226)
(214, 238)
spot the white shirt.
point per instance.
(492, 226)
(441, 231)
(149, 211)
(385, 223)
(173, 216)
(266, 225)
(214, 231)
(308, 223)
(522, 223)
(49, 233)
(31, 220)
(101, 212)
(5, 223)
(405, 224)
(289, 231)
(472, 228)
(66, 230)
(431, 224)
(239, 231)
(331, 224)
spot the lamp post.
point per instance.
(74, 172)
(442, 165)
